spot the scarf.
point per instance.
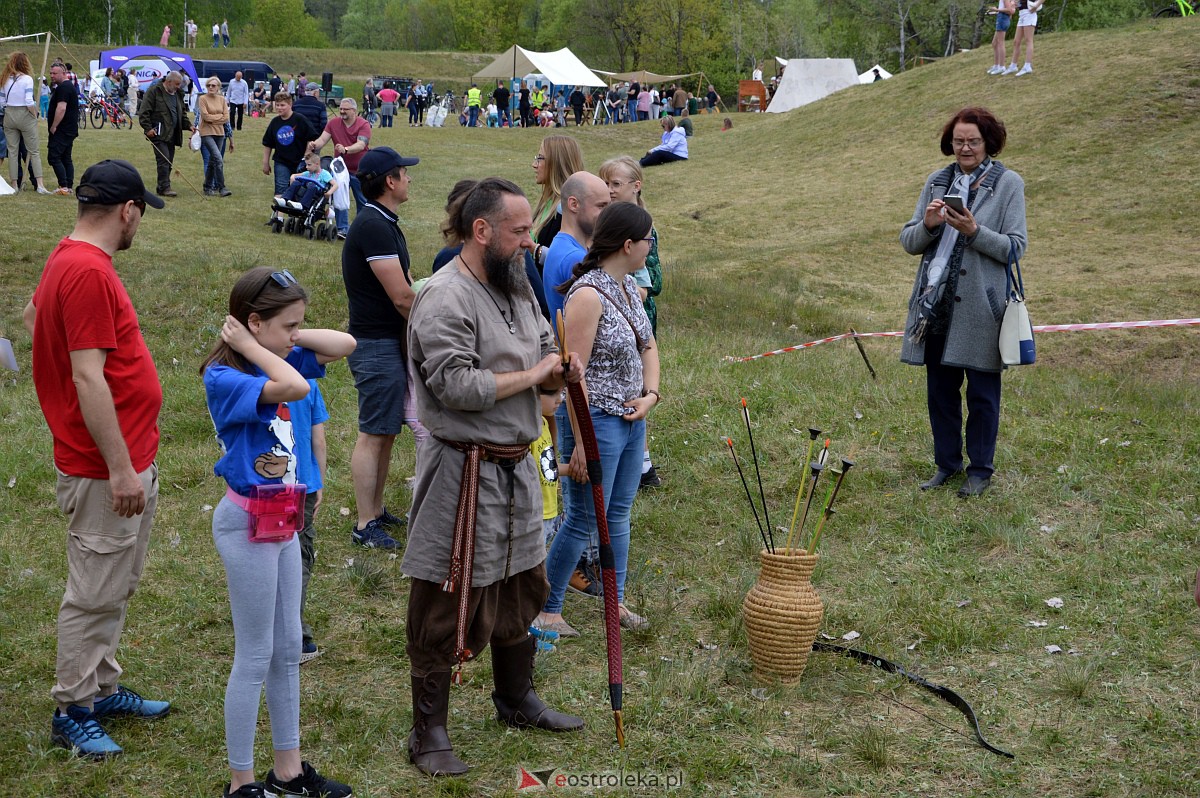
(937, 269)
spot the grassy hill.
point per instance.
(780, 231)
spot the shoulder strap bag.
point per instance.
(1016, 332)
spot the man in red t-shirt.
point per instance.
(351, 136)
(99, 391)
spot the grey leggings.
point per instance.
(264, 596)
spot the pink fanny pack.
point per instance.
(276, 512)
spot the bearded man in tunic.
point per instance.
(482, 353)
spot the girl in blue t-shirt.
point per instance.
(263, 361)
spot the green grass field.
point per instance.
(778, 232)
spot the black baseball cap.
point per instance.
(114, 182)
(381, 161)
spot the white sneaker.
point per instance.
(280, 201)
(1012, 68)
(296, 205)
(1025, 70)
(995, 70)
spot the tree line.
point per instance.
(723, 38)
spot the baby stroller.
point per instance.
(316, 221)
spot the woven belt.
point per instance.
(462, 554)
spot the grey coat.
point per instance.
(972, 340)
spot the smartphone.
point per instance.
(954, 201)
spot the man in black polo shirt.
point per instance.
(375, 270)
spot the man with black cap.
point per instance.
(100, 394)
(375, 270)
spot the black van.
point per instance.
(225, 70)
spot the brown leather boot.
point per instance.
(516, 703)
(428, 744)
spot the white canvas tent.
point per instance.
(869, 75)
(807, 80)
(643, 76)
(560, 67)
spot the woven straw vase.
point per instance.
(783, 613)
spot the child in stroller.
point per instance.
(307, 201)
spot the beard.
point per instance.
(506, 273)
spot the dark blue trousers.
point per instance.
(943, 385)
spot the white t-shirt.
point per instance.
(19, 91)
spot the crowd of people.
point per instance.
(467, 361)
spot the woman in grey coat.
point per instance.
(969, 218)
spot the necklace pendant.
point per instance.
(511, 328)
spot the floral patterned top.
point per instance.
(614, 371)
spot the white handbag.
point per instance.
(1016, 332)
(195, 141)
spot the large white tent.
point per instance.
(560, 67)
(807, 80)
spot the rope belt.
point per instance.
(462, 553)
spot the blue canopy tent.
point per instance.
(119, 59)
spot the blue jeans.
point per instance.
(621, 445)
(214, 164)
(472, 116)
(283, 174)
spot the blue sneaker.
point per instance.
(387, 519)
(80, 733)
(127, 702)
(373, 536)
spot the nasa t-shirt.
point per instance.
(289, 138)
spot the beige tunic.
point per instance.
(458, 342)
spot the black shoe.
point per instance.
(166, 192)
(225, 193)
(309, 783)
(940, 478)
(387, 519)
(650, 479)
(974, 486)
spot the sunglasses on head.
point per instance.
(282, 279)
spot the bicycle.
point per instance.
(1181, 8)
(105, 110)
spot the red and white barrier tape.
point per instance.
(1100, 325)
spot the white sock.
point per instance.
(646, 464)
(1028, 66)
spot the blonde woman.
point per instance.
(20, 117)
(557, 158)
(214, 113)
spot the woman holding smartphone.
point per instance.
(957, 302)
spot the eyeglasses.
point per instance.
(615, 185)
(140, 205)
(650, 239)
(539, 158)
(967, 144)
